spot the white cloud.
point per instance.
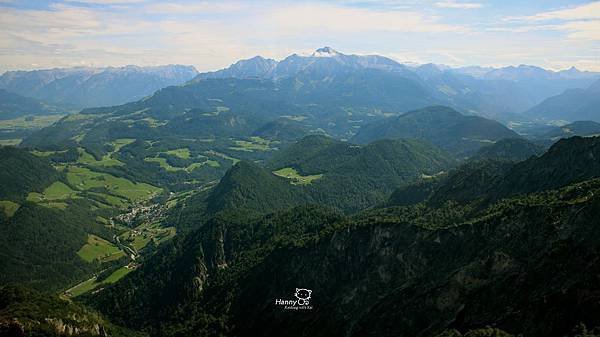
(587, 11)
(212, 35)
(458, 5)
(299, 18)
(579, 22)
(584, 30)
(107, 2)
(194, 8)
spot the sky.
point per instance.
(209, 35)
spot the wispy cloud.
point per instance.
(107, 2)
(211, 34)
(577, 22)
(193, 8)
(582, 12)
(458, 5)
(298, 18)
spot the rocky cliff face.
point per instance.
(515, 267)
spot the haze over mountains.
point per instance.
(571, 105)
(496, 92)
(501, 93)
(78, 88)
(14, 106)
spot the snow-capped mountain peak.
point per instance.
(325, 52)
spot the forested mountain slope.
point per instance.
(510, 263)
(442, 126)
(512, 149)
(324, 171)
(54, 219)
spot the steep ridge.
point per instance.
(424, 281)
(568, 161)
(247, 186)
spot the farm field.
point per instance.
(254, 144)
(10, 142)
(8, 207)
(99, 249)
(142, 235)
(183, 153)
(92, 283)
(86, 179)
(29, 122)
(295, 178)
(107, 159)
(53, 196)
(163, 164)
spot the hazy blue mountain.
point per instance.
(499, 93)
(14, 105)
(255, 67)
(322, 63)
(89, 87)
(578, 74)
(326, 62)
(497, 99)
(571, 105)
(540, 83)
(579, 128)
(442, 126)
(474, 71)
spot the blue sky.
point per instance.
(554, 34)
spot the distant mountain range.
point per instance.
(501, 93)
(322, 63)
(84, 87)
(14, 105)
(571, 105)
